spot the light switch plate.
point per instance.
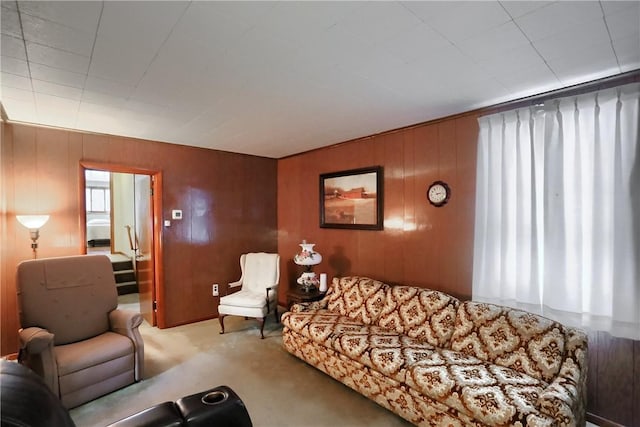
(176, 214)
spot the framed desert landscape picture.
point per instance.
(352, 199)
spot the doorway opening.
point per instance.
(122, 208)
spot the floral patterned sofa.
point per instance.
(438, 361)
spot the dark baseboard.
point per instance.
(602, 422)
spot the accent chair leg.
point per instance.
(221, 320)
(261, 321)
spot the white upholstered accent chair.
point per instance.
(72, 333)
(258, 289)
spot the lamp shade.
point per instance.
(33, 222)
(307, 256)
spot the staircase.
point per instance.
(124, 274)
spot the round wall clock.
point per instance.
(438, 193)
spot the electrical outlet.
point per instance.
(214, 290)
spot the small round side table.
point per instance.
(296, 295)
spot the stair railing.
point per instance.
(133, 247)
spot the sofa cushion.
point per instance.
(360, 298)
(420, 313)
(522, 341)
(380, 349)
(486, 392)
(320, 326)
(244, 298)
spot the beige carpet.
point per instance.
(277, 388)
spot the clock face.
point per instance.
(438, 193)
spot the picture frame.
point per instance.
(352, 199)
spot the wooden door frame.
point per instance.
(156, 177)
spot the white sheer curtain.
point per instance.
(558, 210)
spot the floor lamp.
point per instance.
(33, 223)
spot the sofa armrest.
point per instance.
(565, 399)
(309, 306)
(36, 352)
(126, 322)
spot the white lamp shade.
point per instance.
(33, 222)
(307, 256)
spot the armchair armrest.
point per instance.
(35, 340)
(565, 399)
(126, 322)
(229, 289)
(36, 352)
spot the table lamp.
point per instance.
(307, 257)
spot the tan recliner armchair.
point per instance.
(72, 333)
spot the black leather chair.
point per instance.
(27, 401)
(219, 407)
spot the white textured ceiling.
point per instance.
(278, 78)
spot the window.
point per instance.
(98, 199)
(557, 227)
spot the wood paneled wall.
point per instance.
(420, 244)
(614, 379)
(228, 203)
